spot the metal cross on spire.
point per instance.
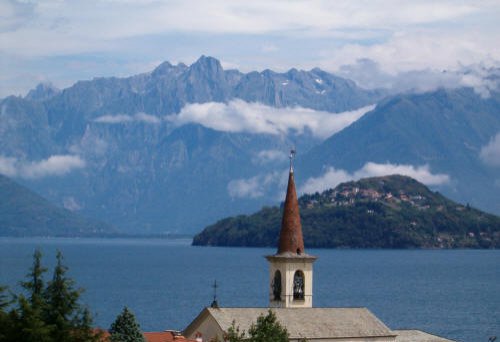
(292, 157)
(214, 303)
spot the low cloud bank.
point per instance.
(241, 116)
(269, 156)
(123, 118)
(256, 186)
(56, 165)
(368, 74)
(261, 185)
(490, 154)
(332, 177)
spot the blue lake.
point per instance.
(166, 283)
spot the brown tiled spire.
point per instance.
(291, 240)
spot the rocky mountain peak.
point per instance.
(42, 91)
(166, 69)
(205, 80)
(208, 68)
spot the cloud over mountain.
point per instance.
(259, 185)
(367, 73)
(123, 118)
(56, 165)
(256, 186)
(332, 177)
(82, 39)
(269, 156)
(490, 154)
(241, 116)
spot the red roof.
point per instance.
(160, 336)
(164, 336)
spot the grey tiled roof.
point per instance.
(417, 336)
(309, 322)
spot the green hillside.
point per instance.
(24, 213)
(381, 212)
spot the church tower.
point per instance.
(291, 269)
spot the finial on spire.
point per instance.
(292, 157)
(214, 303)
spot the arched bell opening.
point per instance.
(298, 285)
(277, 285)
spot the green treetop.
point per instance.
(125, 328)
(267, 328)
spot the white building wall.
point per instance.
(288, 267)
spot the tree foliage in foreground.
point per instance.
(267, 328)
(45, 312)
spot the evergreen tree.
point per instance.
(46, 313)
(125, 328)
(28, 318)
(5, 319)
(63, 311)
(35, 284)
(28, 323)
(83, 331)
(61, 300)
(268, 328)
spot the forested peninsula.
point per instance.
(380, 212)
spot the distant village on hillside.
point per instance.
(349, 196)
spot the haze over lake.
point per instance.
(452, 293)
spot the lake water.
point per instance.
(166, 283)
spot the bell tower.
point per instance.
(291, 269)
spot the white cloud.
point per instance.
(483, 81)
(241, 116)
(245, 188)
(56, 165)
(490, 154)
(430, 48)
(330, 179)
(8, 166)
(71, 204)
(82, 26)
(114, 119)
(482, 77)
(123, 118)
(420, 173)
(333, 177)
(39, 39)
(256, 186)
(269, 156)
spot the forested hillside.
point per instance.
(380, 212)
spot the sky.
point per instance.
(375, 42)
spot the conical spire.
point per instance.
(291, 240)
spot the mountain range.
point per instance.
(177, 148)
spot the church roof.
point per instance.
(291, 240)
(417, 336)
(313, 323)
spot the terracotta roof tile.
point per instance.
(157, 336)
